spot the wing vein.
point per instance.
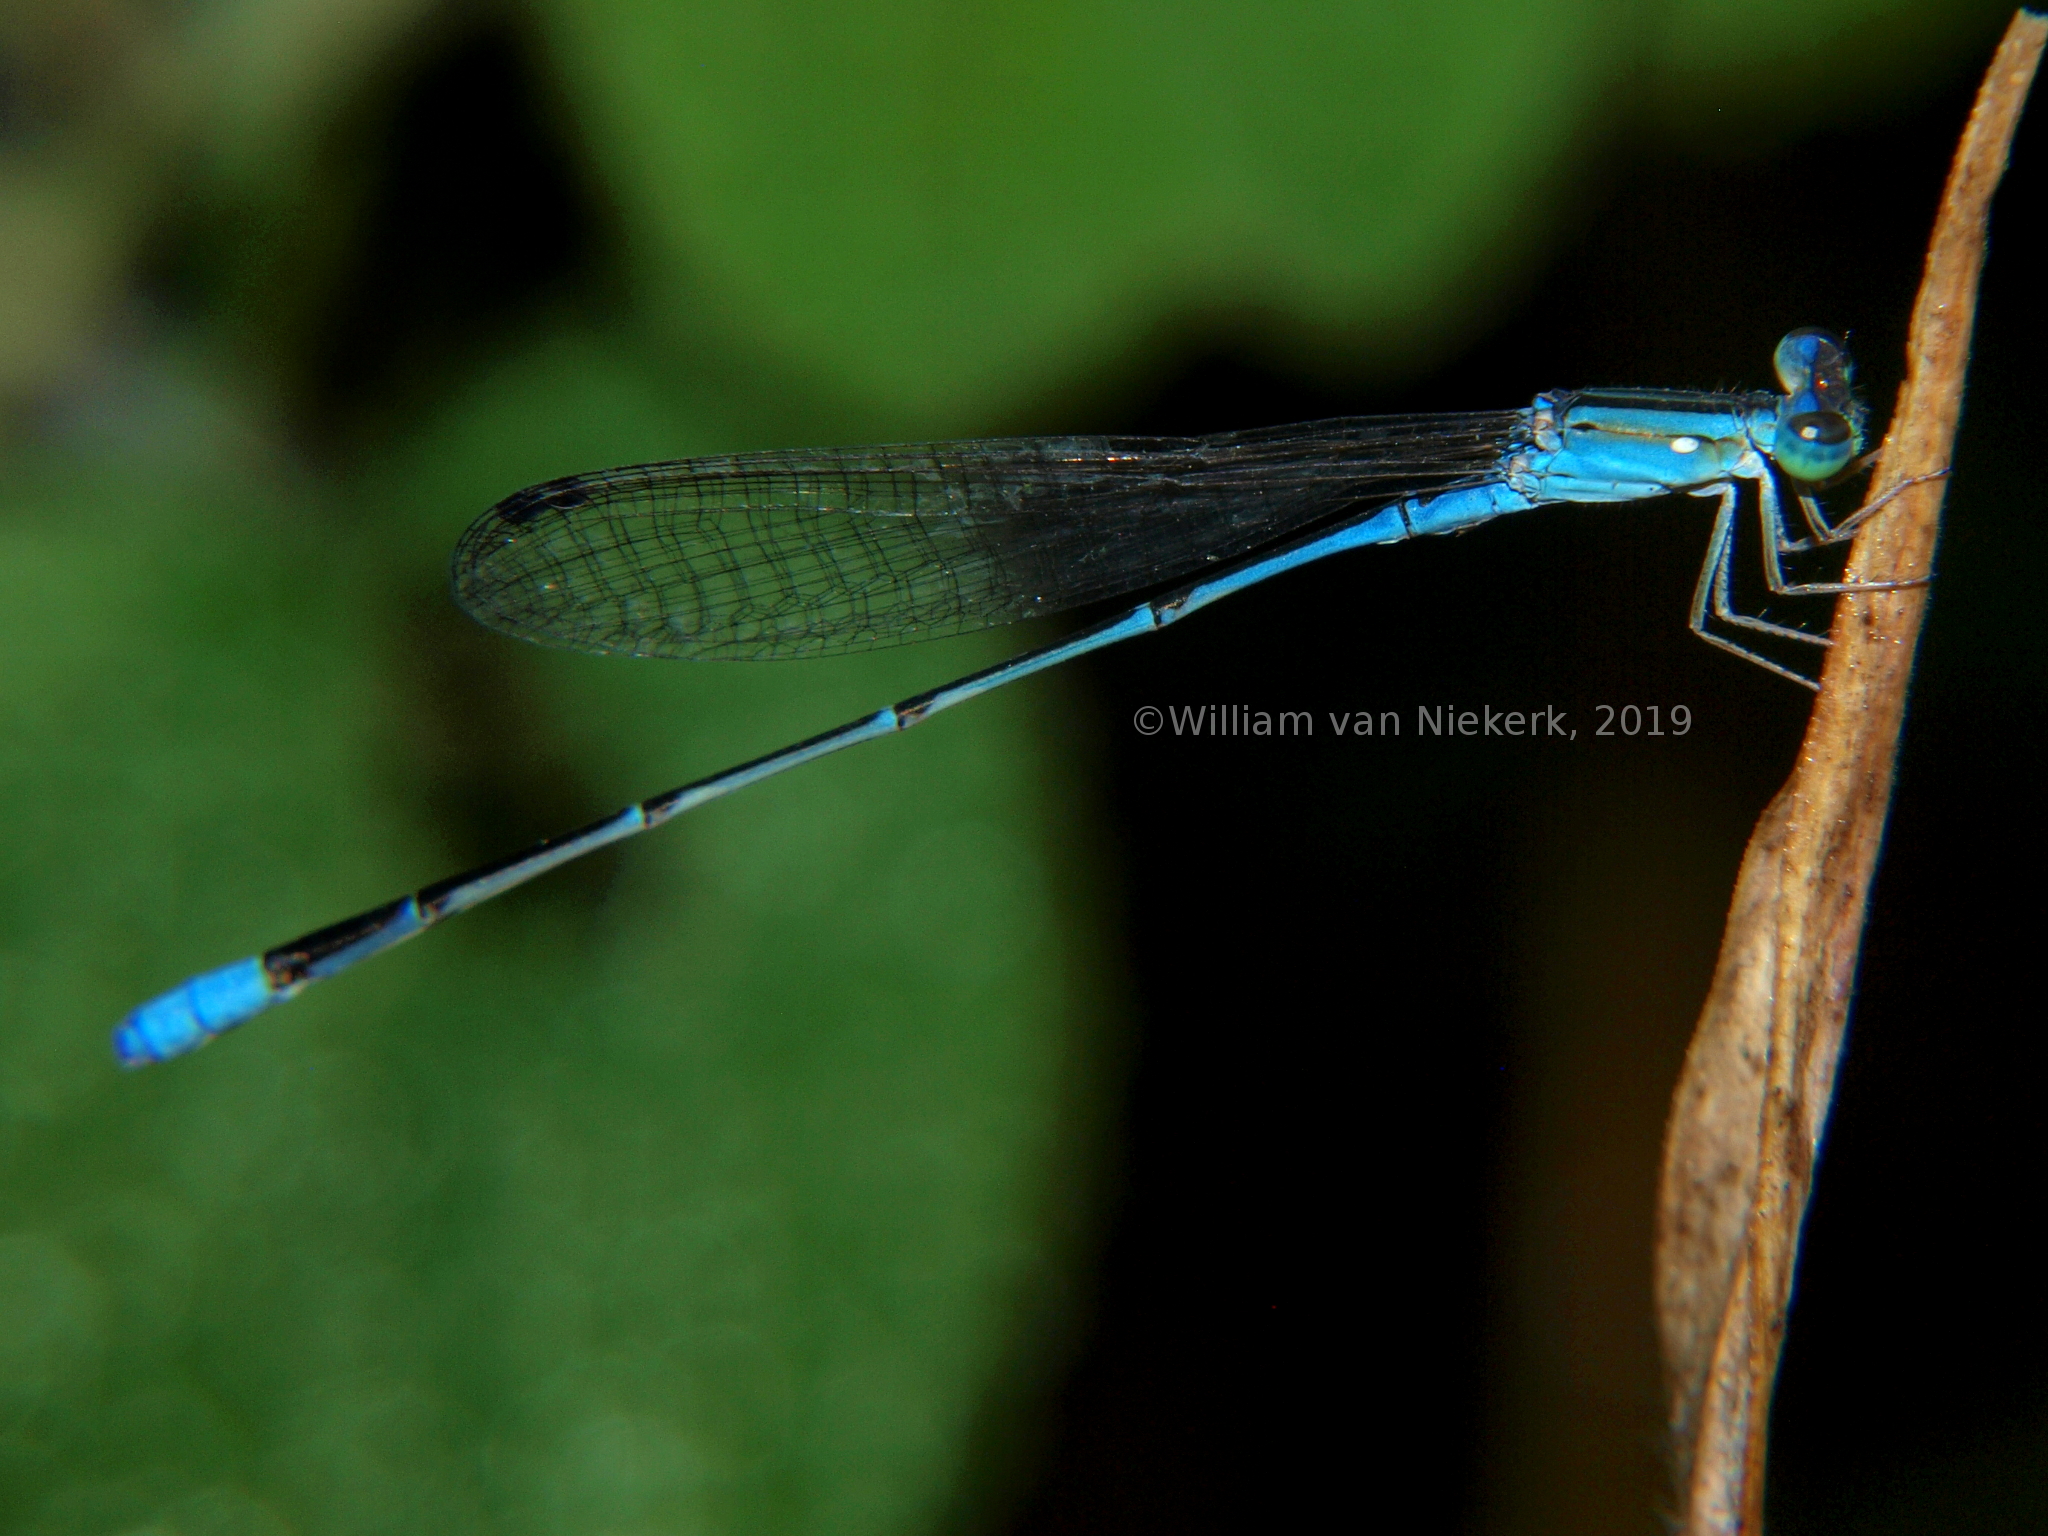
(810, 553)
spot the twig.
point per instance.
(1747, 1117)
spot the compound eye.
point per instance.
(1808, 356)
(1814, 445)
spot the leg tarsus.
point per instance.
(1835, 533)
(1777, 543)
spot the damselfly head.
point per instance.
(1820, 420)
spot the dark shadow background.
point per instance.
(1410, 1008)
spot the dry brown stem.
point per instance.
(1753, 1098)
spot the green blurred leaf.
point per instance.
(1788, 68)
(949, 213)
(954, 210)
(709, 1194)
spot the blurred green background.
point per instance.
(759, 1178)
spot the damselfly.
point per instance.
(815, 553)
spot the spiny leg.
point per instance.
(1834, 533)
(1825, 532)
(1724, 604)
(1778, 543)
(1712, 589)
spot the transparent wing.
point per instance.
(814, 553)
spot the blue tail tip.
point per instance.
(186, 1017)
